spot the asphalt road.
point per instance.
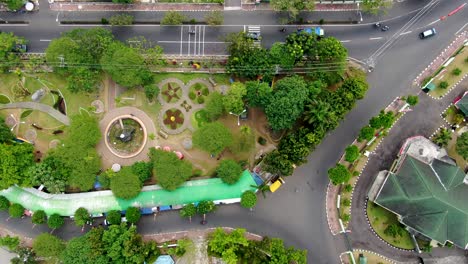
(295, 212)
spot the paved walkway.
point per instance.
(161, 7)
(40, 107)
(424, 120)
(107, 157)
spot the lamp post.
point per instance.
(238, 116)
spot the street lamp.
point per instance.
(238, 116)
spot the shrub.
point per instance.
(200, 100)
(348, 188)
(47, 245)
(11, 243)
(214, 18)
(121, 20)
(55, 221)
(351, 153)
(339, 174)
(104, 21)
(197, 173)
(205, 91)
(366, 133)
(197, 87)
(345, 217)
(229, 171)
(192, 95)
(412, 99)
(456, 71)
(133, 215)
(182, 245)
(4, 203)
(143, 170)
(125, 184)
(104, 180)
(346, 202)
(173, 18)
(394, 230)
(443, 85)
(114, 217)
(16, 210)
(262, 141)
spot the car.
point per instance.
(244, 115)
(254, 35)
(21, 48)
(428, 33)
(385, 28)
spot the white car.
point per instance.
(428, 33)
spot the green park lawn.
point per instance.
(380, 218)
(372, 258)
(447, 76)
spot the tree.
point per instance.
(143, 170)
(14, 5)
(85, 130)
(293, 7)
(258, 93)
(16, 210)
(39, 217)
(281, 54)
(214, 106)
(48, 246)
(169, 171)
(443, 137)
(280, 254)
(5, 132)
(126, 66)
(248, 199)
(16, 158)
(205, 207)
(366, 133)
(133, 215)
(151, 91)
(125, 184)
(278, 163)
(81, 217)
(229, 171)
(10, 242)
(8, 42)
(462, 145)
(443, 85)
(287, 102)
(173, 18)
(121, 20)
(151, 53)
(188, 211)
(233, 102)
(214, 18)
(351, 153)
(412, 100)
(339, 174)
(227, 246)
(114, 217)
(4, 203)
(55, 221)
(50, 174)
(212, 138)
(375, 6)
(383, 120)
(356, 85)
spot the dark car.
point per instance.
(21, 48)
(385, 28)
(254, 35)
(244, 115)
(428, 33)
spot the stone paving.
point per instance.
(178, 104)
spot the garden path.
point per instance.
(40, 107)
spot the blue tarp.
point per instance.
(97, 184)
(165, 208)
(258, 180)
(164, 259)
(146, 211)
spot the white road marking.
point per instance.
(181, 38)
(404, 33)
(345, 41)
(188, 48)
(204, 41)
(45, 40)
(456, 33)
(433, 22)
(14, 25)
(375, 38)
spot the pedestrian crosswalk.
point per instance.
(255, 31)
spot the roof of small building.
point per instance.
(462, 104)
(430, 198)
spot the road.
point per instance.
(295, 212)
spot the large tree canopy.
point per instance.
(233, 101)
(287, 102)
(125, 184)
(462, 145)
(170, 172)
(14, 162)
(213, 138)
(8, 58)
(126, 66)
(49, 246)
(293, 6)
(229, 171)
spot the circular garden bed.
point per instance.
(4, 99)
(198, 93)
(171, 92)
(173, 118)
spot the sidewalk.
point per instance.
(161, 7)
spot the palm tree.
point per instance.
(443, 137)
(316, 112)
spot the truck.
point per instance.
(316, 30)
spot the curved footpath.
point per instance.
(40, 107)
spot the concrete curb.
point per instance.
(450, 89)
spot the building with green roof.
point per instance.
(427, 191)
(462, 104)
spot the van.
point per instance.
(275, 186)
(428, 33)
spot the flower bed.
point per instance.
(198, 93)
